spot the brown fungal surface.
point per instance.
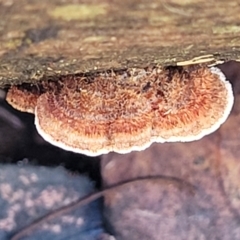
(23, 97)
(128, 110)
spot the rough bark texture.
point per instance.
(51, 38)
(41, 39)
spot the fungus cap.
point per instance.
(22, 99)
(127, 111)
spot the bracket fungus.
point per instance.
(127, 110)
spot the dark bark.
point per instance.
(49, 38)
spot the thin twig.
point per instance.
(86, 200)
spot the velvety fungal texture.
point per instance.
(127, 110)
(24, 97)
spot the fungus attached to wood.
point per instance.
(24, 97)
(123, 111)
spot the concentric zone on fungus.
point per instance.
(126, 110)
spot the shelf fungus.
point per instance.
(127, 110)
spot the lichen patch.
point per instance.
(78, 11)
